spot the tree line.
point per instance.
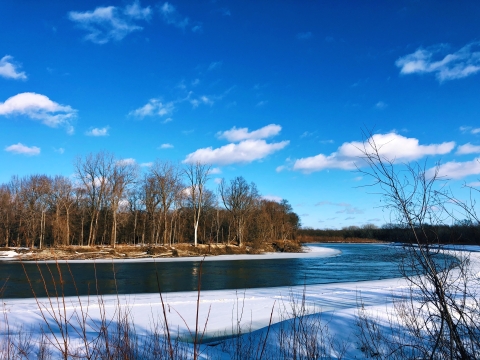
(463, 232)
(110, 201)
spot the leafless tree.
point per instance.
(239, 198)
(93, 172)
(63, 198)
(123, 175)
(441, 316)
(197, 175)
(6, 202)
(167, 176)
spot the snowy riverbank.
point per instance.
(227, 309)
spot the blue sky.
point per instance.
(276, 92)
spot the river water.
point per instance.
(357, 262)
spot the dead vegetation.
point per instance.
(148, 251)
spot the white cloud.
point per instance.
(235, 134)
(147, 164)
(445, 66)
(304, 35)
(468, 149)
(172, 17)
(215, 170)
(280, 168)
(154, 107)
(275, 198)
(110, 23)
(474, 184)
(218, 180)
(127, 161)
(167, 120)
(475, 131)
(23, 150)
(166, 146)
(9, 70)
(381, 105)
(391, 146)
(38, 107)
(456, 170)
(59, 150)
(244, 152)
(98, 131)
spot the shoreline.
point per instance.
(308, 251)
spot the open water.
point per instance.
(357, 262)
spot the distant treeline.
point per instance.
(463, 232)
(110, 201)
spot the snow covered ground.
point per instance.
(227, 309)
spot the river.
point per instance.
(356, 262)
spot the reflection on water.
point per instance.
(357, 262)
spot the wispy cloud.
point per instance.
(23, 149)
(154, 107)
(98, 131)
(391, 146)
(380, 105)
(9, 69)
(244, 152)
(110, 23)
(215, 65)
(39, 107)
(445, 65)
(146, 164)
(206, 100)
(172, 17)
(469, 129)
(166, 146)
(239, 134)
(468, 149)
(304, 35)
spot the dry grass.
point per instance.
(75, 252)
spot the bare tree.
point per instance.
(93, 172)
(6, 202)
(441, 315)
(151, 200)
(239, 198)
(167, 177)
(63, 198)
(121, 177)
(197, 175)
